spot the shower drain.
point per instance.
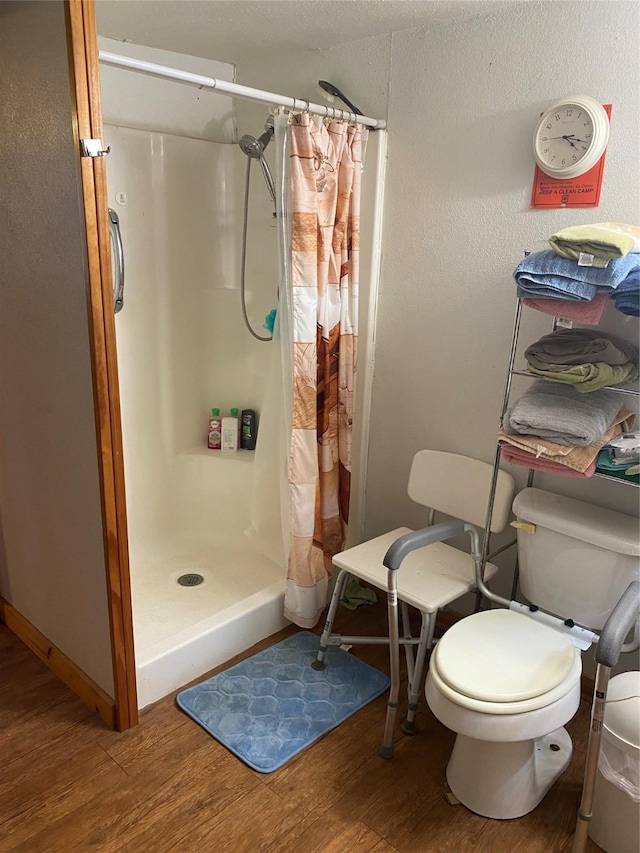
(190, 579)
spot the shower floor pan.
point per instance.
(182, 632)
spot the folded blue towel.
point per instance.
(627, 294)
(547, 275)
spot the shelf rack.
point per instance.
(558, 323)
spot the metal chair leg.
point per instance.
(341, 581)
(386, 750)
(591, 761)
(407, 635)
(408, 727)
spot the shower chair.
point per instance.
(417, 568)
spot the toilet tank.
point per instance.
(575, 559)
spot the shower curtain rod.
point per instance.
(235, 89)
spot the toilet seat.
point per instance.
(501, 662)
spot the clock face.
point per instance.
(571, 137)
(565, 136)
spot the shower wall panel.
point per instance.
(182, 345)
(153, 103)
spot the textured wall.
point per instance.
(463, 103)
(53, 569)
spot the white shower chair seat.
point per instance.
(419, 569)
(427, 584)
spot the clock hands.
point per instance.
(570, 139)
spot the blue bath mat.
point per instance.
(267, 708)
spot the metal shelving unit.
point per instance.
(511, 372)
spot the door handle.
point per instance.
(117, 258)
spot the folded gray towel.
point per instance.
(561, 414)
(580, 346)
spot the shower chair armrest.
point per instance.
(419, 539)
(618, 625)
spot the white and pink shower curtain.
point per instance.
(324, 218)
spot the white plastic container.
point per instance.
(615, 825)
(230, 432)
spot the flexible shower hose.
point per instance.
(244, 259)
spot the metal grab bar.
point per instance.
(117, 255)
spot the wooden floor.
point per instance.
(69, 784)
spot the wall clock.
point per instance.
(571, 137)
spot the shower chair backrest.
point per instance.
(460, 486)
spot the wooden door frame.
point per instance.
(85, 81)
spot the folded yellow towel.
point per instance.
(604, 240)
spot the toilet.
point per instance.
(508, 683)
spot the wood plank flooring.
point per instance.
(70, 785)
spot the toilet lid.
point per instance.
(501, 656)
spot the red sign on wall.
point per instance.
(583, 191)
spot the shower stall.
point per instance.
(203, 587)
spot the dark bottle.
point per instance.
(248, 430)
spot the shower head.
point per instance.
(336, 93)
(253, 147)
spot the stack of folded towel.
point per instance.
(587, 265)
(626, 296)
(583, 358)
(554, 428)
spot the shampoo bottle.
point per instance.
(230, 432)
(214, 431)
(235, 413)
(248, 430)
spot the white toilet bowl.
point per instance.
(506, 685)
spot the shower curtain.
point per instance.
(324, 167)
